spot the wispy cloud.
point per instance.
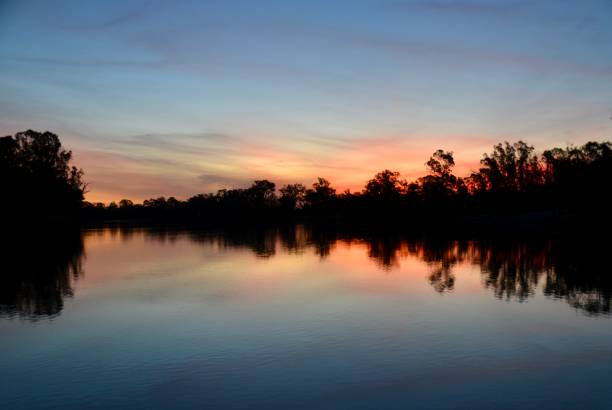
(471, 56)
(129, 13)
(223, 181)
(499, 9)
(542, 11)
(186, 164)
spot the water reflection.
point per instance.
(38, 277)
(38, 273)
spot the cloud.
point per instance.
(457, 7)
(218, 181)
(104, 20)
(191, 144)
(540, 11)
(469, 56)
(165, 165)
(89, 62)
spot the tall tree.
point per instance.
(36, 175)
(292, 196)
(440, 182)
(510, 167)
(321, 193)
(261, 193)
(385, 185)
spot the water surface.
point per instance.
(300, 318)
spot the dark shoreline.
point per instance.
(542, 224)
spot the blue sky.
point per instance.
(174, 98)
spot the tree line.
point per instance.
(36, 174)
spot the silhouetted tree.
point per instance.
(440, 182)
(36, 176)
(261, 193)
(293, 196)
(512, 180)
(126, 203)
(386, 185)
(476, 183)
(510, 168)
(321, 194)
(441, 164)
(582, 165)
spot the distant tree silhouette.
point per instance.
(510, 168)
(261, 193)
(441, 164)
(293, 196)
(580, 176)
(321, 194)
(126, 203)
(440, 183)
(386, 185)
(38, 181)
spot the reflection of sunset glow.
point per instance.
(306, 264)
(116, 255)
(266, 264)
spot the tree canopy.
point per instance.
(37, 176)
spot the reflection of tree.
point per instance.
(441, 257)
(262, 242)
(581, 277)
(511, 270)
(384, 250)
(575, 272)
(322, 241)
(38, 273)
(442, 278)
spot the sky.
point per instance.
(175, 98)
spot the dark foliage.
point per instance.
(36, 178)
(39, 270)
(512, 181)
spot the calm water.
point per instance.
(297, 318)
